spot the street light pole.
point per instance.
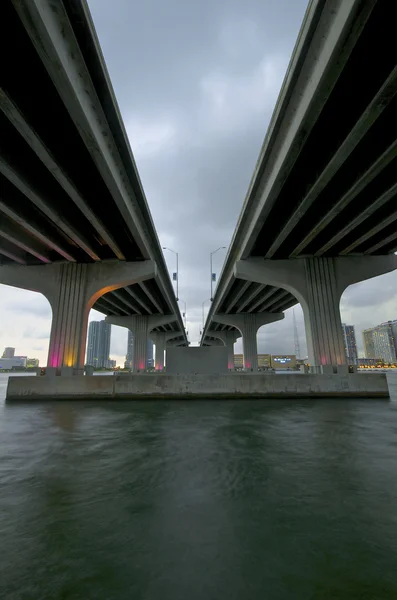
(184, 311)
(202, 307)
(177, 270)
(211, 254)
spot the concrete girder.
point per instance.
(372, 112)
(55, 42)
(25, 242)
(46, 207)
(35, 230)
(17, 119)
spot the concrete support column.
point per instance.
(160, 340)
(228, 338)
(318, 284)
(72, 289)
(70, 310)
(248, 325)
(323, 323)
(141, 326)
(250, 346)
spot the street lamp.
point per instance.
(202, 308)
(213, 274)
(175, 275)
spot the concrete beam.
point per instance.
(356, 221)
(36, 231)
(46, 207)
(370, 115)
(17, 119)
(55, 42)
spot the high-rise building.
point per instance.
(380, 342)
(8, 352)
(349, 337)
(98, 346)
(129, 358)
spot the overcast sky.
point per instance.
(196, 83)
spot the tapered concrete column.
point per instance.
(160, 339)
(140, 326)
(228, 338)
(72, 289)
(318, 284)
(248, 324)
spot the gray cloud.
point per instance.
(32, 332)
(35, 305)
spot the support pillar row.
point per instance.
(318, 284)
(140, 327)
(248, 325)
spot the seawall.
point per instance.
(227, 386)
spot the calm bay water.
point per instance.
(272, 500)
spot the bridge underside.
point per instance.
(69, 189)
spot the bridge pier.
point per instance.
(160, 339)
(72, 289)
(248, 325)
(228, 338)
(318, 284)
(140, 326)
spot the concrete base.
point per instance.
(217, 386)
(392, 384)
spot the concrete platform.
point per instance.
(228, 386)
(392, 384)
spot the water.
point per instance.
(271, 500)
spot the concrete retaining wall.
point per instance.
(200, 359)
(231, 385)
(392, 384)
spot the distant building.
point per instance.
(129, 358)
(32, 363)
(349, 337)
(380, 342)
(18, 362)
(267, 361)
(283, 361)
(111, 364)
(98, 346)
(9, 352)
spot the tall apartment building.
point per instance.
(349, 337)
(381, 342)
(98, 346)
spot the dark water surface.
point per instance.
(272, 500)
